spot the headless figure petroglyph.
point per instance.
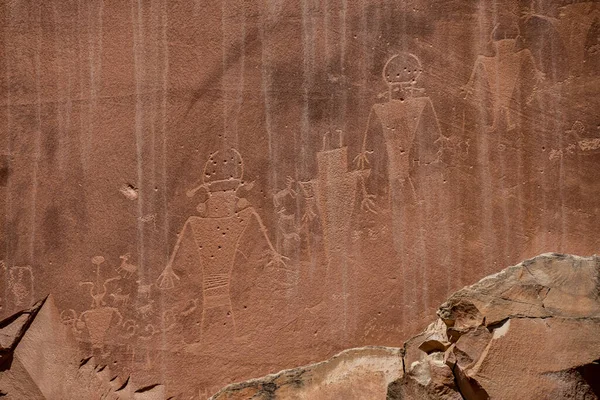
(501, 73)
(405, 117)
(335, 192)
(216, 236)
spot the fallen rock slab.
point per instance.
(531, 331)
(356, 373)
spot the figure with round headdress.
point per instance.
(210, 243)
(407, 125)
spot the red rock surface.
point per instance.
(217, 190)
(504, 337)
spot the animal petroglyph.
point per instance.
(578, 138)
(120, 299)
(216, 234)
(406, 117)
(144, 290)
(126, 269)
(146, 310)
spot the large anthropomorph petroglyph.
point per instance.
(406, 119)
(209, 244)
(218, 190)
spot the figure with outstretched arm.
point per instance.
(408, 132)
(208, 244)
(510, 61)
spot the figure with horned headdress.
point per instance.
(210, 243)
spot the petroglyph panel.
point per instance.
(214, 191)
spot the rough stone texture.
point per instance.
(529, 331)
(504, 337)
(362, 373)
(218, 190)
(41, 363)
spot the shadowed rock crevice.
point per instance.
(591, 375)
(12, 330)
(38, 361)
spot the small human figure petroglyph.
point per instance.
(20, 284)
(310, 202)
(288, 235)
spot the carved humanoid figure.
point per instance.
(410, 133)
(208, 245)
(499, 75)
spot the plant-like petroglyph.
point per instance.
(94, 287)
(216, 234)
(98, 319)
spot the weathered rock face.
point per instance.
(506, 337)
(362, 373)
(218, 190)
(38, 361)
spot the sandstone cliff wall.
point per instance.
(217, 190)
